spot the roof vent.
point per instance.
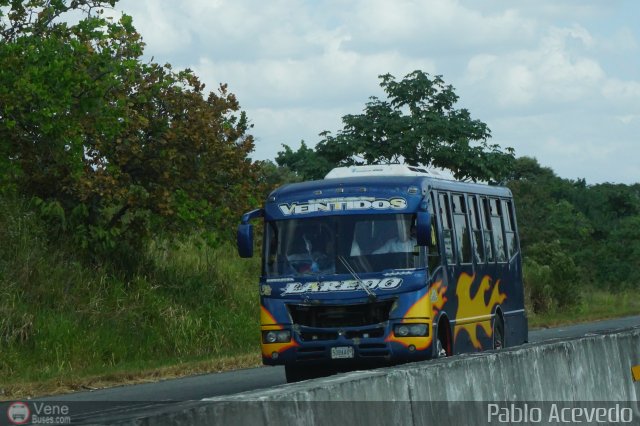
(389, 170)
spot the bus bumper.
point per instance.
(349, 345)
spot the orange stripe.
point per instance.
(420, 309)
(266, 318)
(269, 348)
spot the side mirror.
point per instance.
(245, 240)
(423, 229)
(245, 233)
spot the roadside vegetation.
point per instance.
(580, 243)
(595, 304)
(122, 181)
(65, 322)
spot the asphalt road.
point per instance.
(134, 398)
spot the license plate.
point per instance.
(342, 352)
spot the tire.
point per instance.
(441, 352)
(442, 340)
(296, 373)
(498, 333)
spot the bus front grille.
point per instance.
(329, 316)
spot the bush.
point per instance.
(553, 278)
(538, 287)
(60, 317)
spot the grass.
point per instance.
(128, 373)
(595, 305)
(192, 309)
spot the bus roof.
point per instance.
(369, 180)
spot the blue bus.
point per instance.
(385, 264)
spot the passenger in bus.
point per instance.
(311, 252)
(361, 244)
(404, 243)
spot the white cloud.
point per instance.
(629, 118)
(615, 89)
(519, 86)
(308, 122)
(442, 27)
(549, 73)
(623, 41)
(334, 77)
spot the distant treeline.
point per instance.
(575, 236)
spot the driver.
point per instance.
(316, 250)
(403, 243)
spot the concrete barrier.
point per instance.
(591, 373)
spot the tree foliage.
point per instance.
(307, 163)
(118, 147)
(418, 124)
(272, 175)
(585, 235)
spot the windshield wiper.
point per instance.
(371, 293)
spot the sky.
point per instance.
(555, 80)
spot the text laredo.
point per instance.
(328, 286)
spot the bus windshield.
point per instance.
(322, 245)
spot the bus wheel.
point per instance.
(294, 373)
(442, 341)
(440, 350)
(498, 332)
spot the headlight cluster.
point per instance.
(411, 330)
(276, 336)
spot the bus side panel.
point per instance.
(516, 324)
(478, 292)
(476, 295)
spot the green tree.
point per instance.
(419, 124)
(305, 162)
(564, 282)
(531, 186)
(272, 175)
(595, 227)
(620, 255)
(114, 147)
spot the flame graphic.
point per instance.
(474, 308)
(266, 318)
(418, 312)
(438, 290)
(268, 322)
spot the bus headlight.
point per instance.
(276, 336)
(401, 331)
(411, 330)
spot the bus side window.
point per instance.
(445, 218)
(463, 243)
(509, 226)
(476, 232)
(496, 227)
(485, 212)
(433, 252)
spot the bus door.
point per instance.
(447, 252)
